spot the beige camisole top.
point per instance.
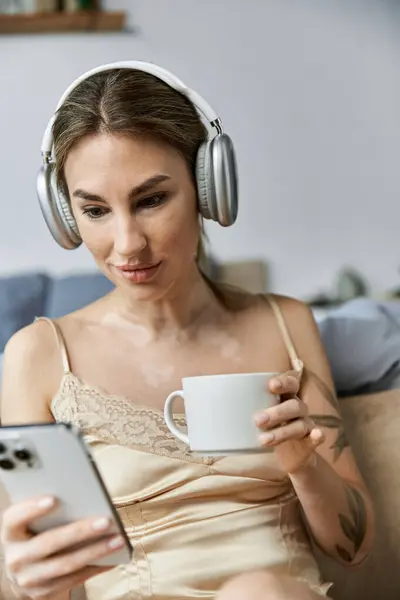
(194, 522)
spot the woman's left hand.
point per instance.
(287, 426)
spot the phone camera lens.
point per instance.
(23, 455)
(3, 448)
(6, 464)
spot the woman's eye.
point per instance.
(152, 201)
(93, 212)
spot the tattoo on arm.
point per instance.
(330, 421)
(333, 422)
(323, 388)
(355, 527)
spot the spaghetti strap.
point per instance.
(296, 363)
(60, 342)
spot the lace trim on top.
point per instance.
(118, 421)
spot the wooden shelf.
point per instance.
(61, 22)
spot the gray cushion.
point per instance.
(67, 294)
(362, 341)
(22, 298)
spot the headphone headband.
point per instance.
(203, 108)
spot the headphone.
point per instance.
(216, 172)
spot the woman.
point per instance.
(125, 145)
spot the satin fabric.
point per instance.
(194, 522)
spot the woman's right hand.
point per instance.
(43, 566)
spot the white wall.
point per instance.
(310, 93)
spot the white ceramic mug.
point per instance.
(220, 412)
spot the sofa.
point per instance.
(372, 422)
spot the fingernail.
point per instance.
(262, 418)
(276, 383)
(267, 438)
(101, 524)
(116, 542)
(47, 502)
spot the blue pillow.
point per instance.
(22, 298)
(362, 342)
(67, 294)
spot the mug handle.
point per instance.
(169, 417)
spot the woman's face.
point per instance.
(135, 205)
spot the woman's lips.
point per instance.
(138, 274)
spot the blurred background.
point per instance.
(310, 93)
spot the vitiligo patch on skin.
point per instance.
(141, 337)
(227, 344)
(156, 375)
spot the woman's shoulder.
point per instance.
(295, 314)
(289, 315)
(31, 372)
(37, 345)
(34, 353)
(30, 343)
(291, 308)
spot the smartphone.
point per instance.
(53, 459)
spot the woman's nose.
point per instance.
(129, 237)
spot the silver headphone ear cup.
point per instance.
(223, 174)
(59, 221)
(205, 187)
(217, 180)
